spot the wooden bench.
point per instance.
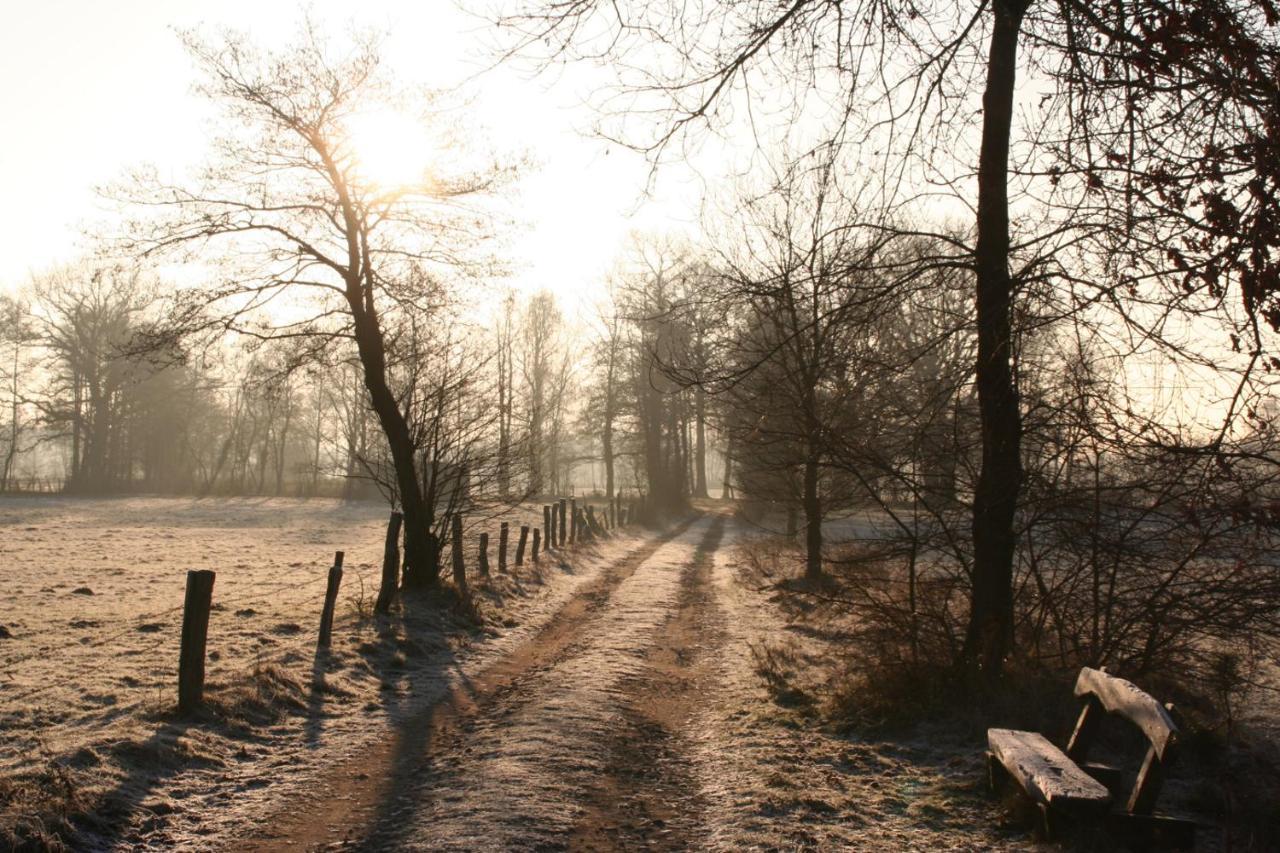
(1066, 786)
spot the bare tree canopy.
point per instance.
(307, 226)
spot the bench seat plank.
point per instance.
(1044, 771)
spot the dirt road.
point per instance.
(573, 742)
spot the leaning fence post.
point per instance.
(564, 504)
(504, 534)
(459, 566)
(482, 561)
(195, 636)
(390, 564)
(330, 599)
(536, 533)
(524, 535)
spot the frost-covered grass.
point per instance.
(821, 719)
(90, 597)
(776, 774)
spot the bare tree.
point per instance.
(545, 360)
(89, 318)
(506, 390)
(285, 193)
(18, 336)
(798, 368)
(607, 399)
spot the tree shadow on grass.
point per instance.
(129, 812)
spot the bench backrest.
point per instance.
(1105, 694)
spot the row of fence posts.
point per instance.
(563, 522)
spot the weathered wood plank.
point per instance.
(1127, 700)
(1044, 771)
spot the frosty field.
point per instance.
(91, 596)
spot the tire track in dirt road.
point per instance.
(649, 796)
(363, 803)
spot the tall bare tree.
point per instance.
(287, 203)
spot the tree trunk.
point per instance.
(812, 520)
(77, 427)
(726, 485)
(281, 444)
(700, 444)
(12, 452)
(504, 411)
(607, 451)
(989, 635)
(315, 460)
(419, 571)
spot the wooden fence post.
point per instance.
(524, 536)
(564, 504)
(483, 557)
(573, 520)
(330, 599)
(390, 565)
(195, 636)
(459, 566)
(546, 526)
(536, 531)
(504, 534)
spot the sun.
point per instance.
(390, 149)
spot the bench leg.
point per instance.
(1048, 825)
(996, 774)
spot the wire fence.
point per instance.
(59, 657)
(65, 653)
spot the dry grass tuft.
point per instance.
(266, 695)
(36, 808)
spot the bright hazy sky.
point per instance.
(92, 88)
